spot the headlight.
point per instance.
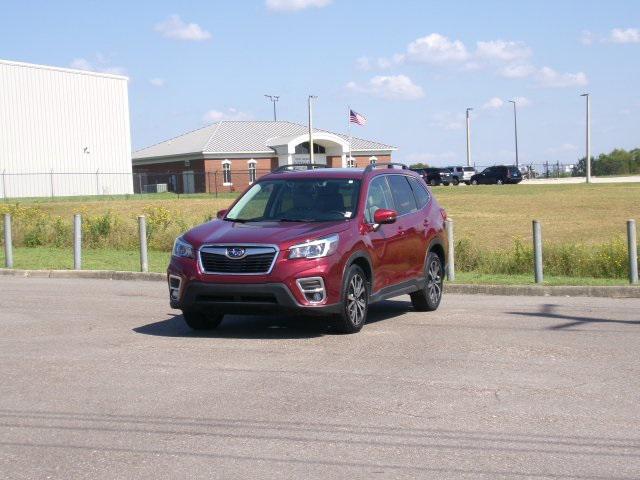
(182, 249)
(315, 249)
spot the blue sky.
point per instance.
(411, 67)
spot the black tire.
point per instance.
(199, 320)
(499, 182)
(446, 184)
(428, 298)
(474, 182)
(467, 182)
(455, 181)
(355, 301)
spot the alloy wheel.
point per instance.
(434, 281)
(356, 300)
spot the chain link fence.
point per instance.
(58, 184)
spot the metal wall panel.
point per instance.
(70, 127)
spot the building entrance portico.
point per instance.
(328, 149)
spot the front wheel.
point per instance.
(499, 181)
(428, 298)
(199, 320)
(455, 181)
(355, 301)
(474, 182)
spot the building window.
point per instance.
(351, 162)
(303, 148)
(226, 173)
(373, 161)
(252, 170)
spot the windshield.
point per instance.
(298, 200)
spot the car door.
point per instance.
(384, 239)
(489, 175)
(407, 254)
(426, 229)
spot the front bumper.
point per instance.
(244, 298)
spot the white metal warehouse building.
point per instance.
(63, 132)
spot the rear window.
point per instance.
(514, 171)
(402, 194)
(468, 169)
(420, 192)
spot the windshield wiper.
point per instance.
(242, 220)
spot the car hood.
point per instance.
(282, 234)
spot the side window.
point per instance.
(379, 196)
(421, 194)
(402, 194)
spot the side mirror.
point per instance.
(221, 213)
(383, 215)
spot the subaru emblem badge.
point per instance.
(235, 252)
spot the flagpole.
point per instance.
(349, 130)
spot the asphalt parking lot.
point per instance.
(101, 380)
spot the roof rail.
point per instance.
(389, 165)
(299, 166)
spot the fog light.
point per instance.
(175, 283)
(312, 288)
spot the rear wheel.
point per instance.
(428, 298)
(455, 181)
(199, 320)
(355, 303)
(499, 181)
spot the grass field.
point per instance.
(51, 258)
(490, 216)
(583, 227)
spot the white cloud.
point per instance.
(587, 37)
(363, 63)
(448, 121)
(435, 49)
(522, 101)
(157, 82)
(548, 77)
(628, 35)
(392, 87)
(501, 50)
(229, 114)
(174, 27)
(493, 103)
(517, 70)
(295, 5)
(101, 64)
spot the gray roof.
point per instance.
(227, 137)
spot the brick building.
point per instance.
(229, 155)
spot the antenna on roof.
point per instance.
(274, 99)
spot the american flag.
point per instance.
(355, 117)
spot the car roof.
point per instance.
(351, 173)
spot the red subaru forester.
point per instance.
(314, 240)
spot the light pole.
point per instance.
(273, 99)
(515, 128)
(588, 139)
(311, 98)
(468, 138)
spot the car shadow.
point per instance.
(268, 326)
(549, 311)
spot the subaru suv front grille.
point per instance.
(238, 259)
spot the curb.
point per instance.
(94, 274)
(609, 291)
(617, 291)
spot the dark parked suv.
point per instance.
(498, 174)
(323, 241)
(434, 176)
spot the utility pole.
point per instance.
(273, 99)
(515, 128)
(588, 139)
(468, 138)
(311, 98)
